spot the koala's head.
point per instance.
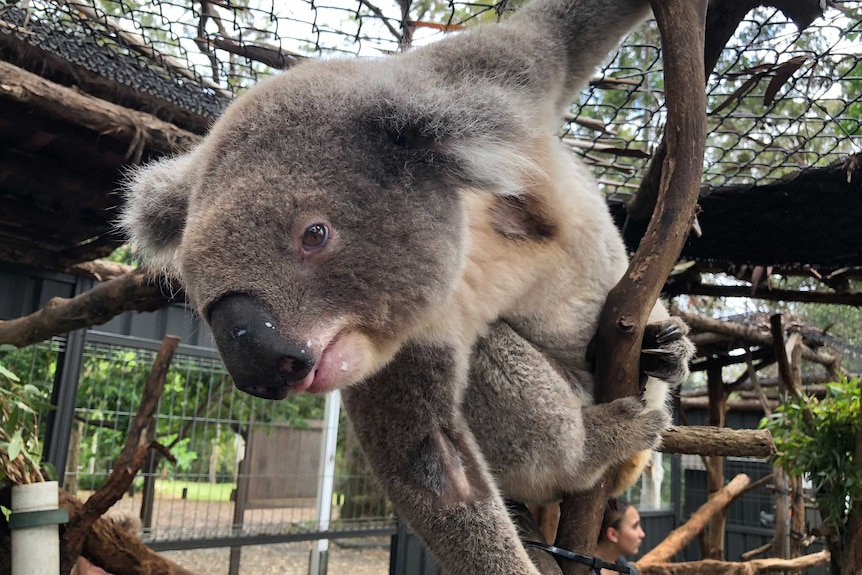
(321, 218)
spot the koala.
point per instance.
(410, 230)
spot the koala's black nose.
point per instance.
(260, 360)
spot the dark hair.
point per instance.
(615, 508)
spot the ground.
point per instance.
(288, 559)
(172, 515)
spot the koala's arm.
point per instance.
(410, 428)
(548, 49)
(539, 432)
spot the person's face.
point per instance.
(629, 535)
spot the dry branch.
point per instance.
(682, 535)
(753, 335)
(130, 292)
(116, 550)
(129, 461)
(713, 567)
(707, 440)
(697, 288)
(138, 128)
(748, 555)
(272, 56)
(100, 270)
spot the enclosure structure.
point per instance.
(90, 88)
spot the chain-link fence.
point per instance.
(779, 100)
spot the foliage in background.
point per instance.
(123, 255)
(20, 407)
(821, 447)
(112, 378)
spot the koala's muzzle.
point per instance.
(260, 360)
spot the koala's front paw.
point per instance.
(643, 427)
(666, 351)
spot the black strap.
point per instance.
(595, 562)
(27, 519)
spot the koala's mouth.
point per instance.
(320, 379)
(334, 366)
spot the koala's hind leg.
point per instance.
(408, 423)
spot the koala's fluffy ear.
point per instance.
(155, 211)
(477, 152)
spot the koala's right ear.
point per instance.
(155, 210)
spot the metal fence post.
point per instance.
(320, 548)
(58, 427)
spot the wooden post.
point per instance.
(781, 542)
(715, 465)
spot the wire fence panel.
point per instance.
(245, 467)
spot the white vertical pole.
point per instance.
(320, 549)
(651, 482)
(35, 549)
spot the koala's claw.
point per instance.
(657, 351)
(666, 351)
(670, 333)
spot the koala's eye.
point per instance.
(315, 236)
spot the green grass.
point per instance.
(196, 491)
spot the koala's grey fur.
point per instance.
(468, 261)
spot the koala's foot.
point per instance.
(666, 351)
(616, 431)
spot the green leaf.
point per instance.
(49, 471)
(16, 445)
(8, 374)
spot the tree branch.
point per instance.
(137, 128)
(753, 335)
(625, 313)
(130, 292)
(697, 288)
(682, 535)
(128, 462)
(707, 440)
(116, 550)
(272, 56)
(100, 270)
(712, 567)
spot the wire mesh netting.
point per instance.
(779, 100)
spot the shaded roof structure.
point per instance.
(89, 88)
